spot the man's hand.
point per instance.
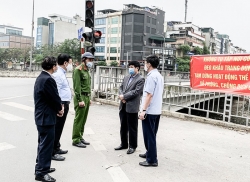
(121, 97)
(81, 104)
(142, 115)
(60, 114)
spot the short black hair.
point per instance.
(48, 63)
(136, 64)
(153, 60)
(62, 58)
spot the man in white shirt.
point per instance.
(64, 64)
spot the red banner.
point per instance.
(221, 73)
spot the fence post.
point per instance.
(227, 107)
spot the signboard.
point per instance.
(221, 73)
(80, 32)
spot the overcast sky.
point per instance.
(225, 16)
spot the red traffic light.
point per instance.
(89, 4)
(97, 34)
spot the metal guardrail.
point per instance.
(183, 99)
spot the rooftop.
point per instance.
(106, 11)
(9, 26)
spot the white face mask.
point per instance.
(89, 64)
(69, 67)
(145, 67)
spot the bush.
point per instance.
(183, 64)
(185, 48)
(114, 64)
(101, 63)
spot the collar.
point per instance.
(48, 73)
(63, 70)
(154, 70)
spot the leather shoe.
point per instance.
(130, 151)
(146, 164)
(57, 157)
(60, 151)
(45, 178)
(120, 148)
(85, 142)
(51, 170)
(80, 145)
(143, 156)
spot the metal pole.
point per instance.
(163, 58)
(186, 3)
(93, 70)
(127, 59)
(32, 29)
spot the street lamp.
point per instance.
(163, 49)
(32, 29)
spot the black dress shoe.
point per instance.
(60, 151)
(45, 178)
(130, 151)
(57, 157)
(85, 142)
(51, 170)
(146, 164)
(143, 156)
(80, 145)
(120, 148)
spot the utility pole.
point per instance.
(186, 6)
(32, 43)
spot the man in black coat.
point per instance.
(47, 107)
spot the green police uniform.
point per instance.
(82, 89)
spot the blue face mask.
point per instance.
(131, 71)
(89, 64)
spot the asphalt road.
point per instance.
(187, 151)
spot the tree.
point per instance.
(114, 64)
(198, 51)
(71, 47)
(183, 64)
(101, 63)
(39, 58)
(205, 50)
(185, 48)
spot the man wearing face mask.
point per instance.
(130, 93)
(82, 90)
(64, 65)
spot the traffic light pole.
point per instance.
(93, 70)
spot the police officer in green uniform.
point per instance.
(82, 90)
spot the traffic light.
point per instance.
(90, 14)
(97, 36)
(88, 36)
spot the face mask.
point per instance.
(55, 69)
(89, 64)
(131, 71)
(145, 67)
(69, 67)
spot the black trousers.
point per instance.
(129, 125)
(150, 127)
(46, 136)
(60, 121)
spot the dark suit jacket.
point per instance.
(47, 100)
(132, 93)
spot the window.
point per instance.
(153, 21)
(100, 49)
(114, 20)
(148, 30)
(113, 40)
(39, 38)
(100, 58)
(102, 40)
(51, 33)
(100, 21)
(13, 32)
(114, 30)
(4, 44)
(103, 30)
(153, 31)
(148, 19)
(113, 58)
(39, 30)
(113, 50)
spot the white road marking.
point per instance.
(6, 146)
(14, 97)
(19, 106)
(89, 131)
(10, 117)
(98, 146)
(117, 174)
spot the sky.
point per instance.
(225, 16)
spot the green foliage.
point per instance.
(39, 58)
(205, 50)
(114, 64)
(185, 48)
(71, 47)
(102, 63)
(198, 51)
(183, 64)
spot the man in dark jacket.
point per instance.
(130, 93)
(47, 107)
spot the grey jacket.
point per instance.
(132, 94)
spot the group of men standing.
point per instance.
(52, 96)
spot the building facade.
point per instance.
(11, 37)
(57, 28)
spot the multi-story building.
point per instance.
(225, 43)
(57, 29)
(11, 37)
(186, 34)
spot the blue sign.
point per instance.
(80, 32)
